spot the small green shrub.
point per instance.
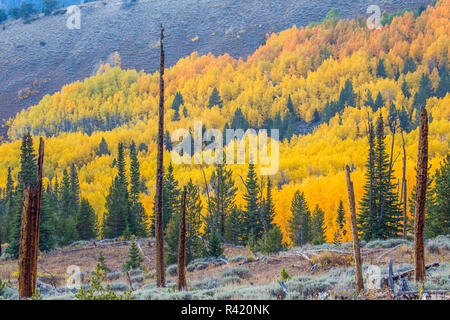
(239, 272)
(172, 270)
(208, 283)
(137, 279)
(231, 280)
(284, 275)
(236, 259)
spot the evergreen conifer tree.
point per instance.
(85, 221)
(251, 220)
(299, 224)
(214, 99)
(318, 227)
(134, 258)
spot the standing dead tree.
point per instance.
(29, 233)
(182, 244)
(356, 249)
(421, 188)
(159, 227)
(403, 195)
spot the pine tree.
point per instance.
(194, 245)
(289, 126)
(171, 240)
(318, 227)
(290, 105)
(381, 71)
(177, 101)
(223, 197)
(137, 215)
(75, 186)
(274, 241)
(299, 224)
(215, 248)
(167, 140)
(379, 216)
(117, 201)
(366, 216)
(134, 258)
(409, 65)
(386, 197)
(405, 89)
(171, 196)
(439, 216)
(46, 224)
(103, 148)
(67, 196)
(444, 84)
(340, 220)
(233, 227)
(176, 116)
(27, 174)
(101, 262)
(379, 102)
(268, 207)
(214, 99)
(316, 116)
(185, 112)
(239, 121)
(403, 119)
(251, 220)
(85, 221)
(425, 91)
(369, 101)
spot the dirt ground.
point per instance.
(54, 267)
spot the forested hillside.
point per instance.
(355, 90)
(39, 53)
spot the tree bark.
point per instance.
(356, 248)
(404, 192)
(421, 188)
(29, 233)
(182, 244)
(159, 227)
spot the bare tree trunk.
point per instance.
(421, 188)
(404, 192)
(356, 249)
(29, 233)
(182, 244)
(159, 227)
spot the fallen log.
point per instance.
(142, 252)
(385, 280)
(389, 251)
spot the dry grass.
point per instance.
(52, 267)
(332, 259)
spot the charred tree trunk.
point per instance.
(159, 227)
(29, 233)
(421, 188)
(182, 244)
(404, 192)
(356, 249)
